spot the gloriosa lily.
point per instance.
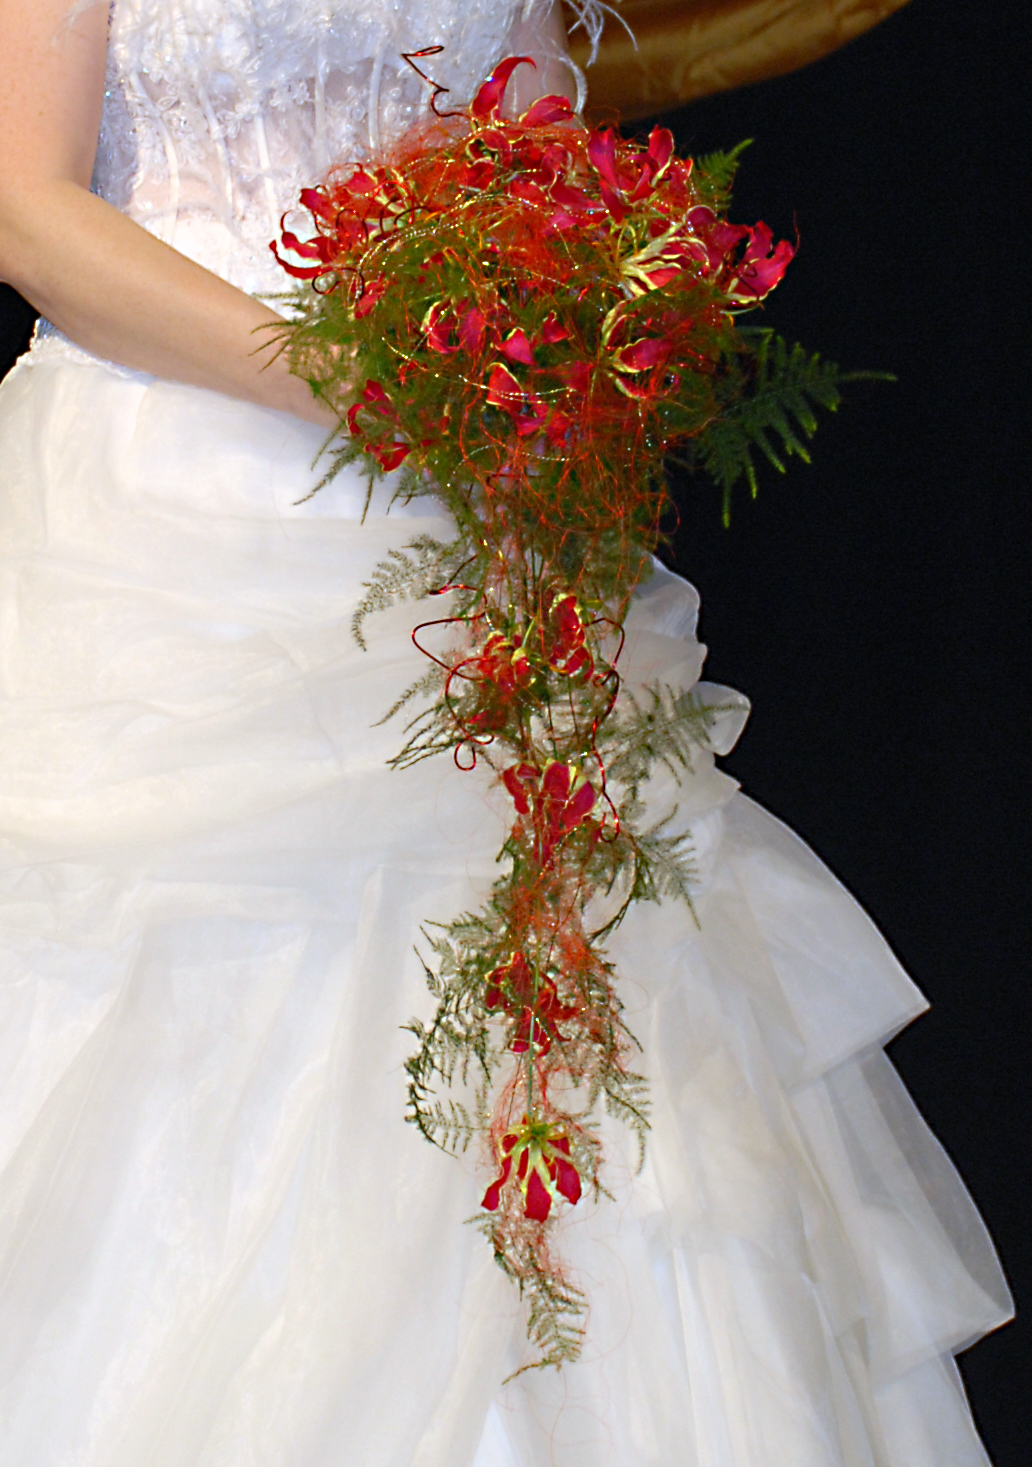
(537, 1156)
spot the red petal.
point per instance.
(308, 249)
(477, 175)
(662, 276)
(528, 193)
(552, 331)
(723, 237)
(502, 389)
(360, 183)
(559, 426)
(492, 1195)
(602, 156)
(390, 457)
(700, 218)
(579, 806)
(661, 148)
(488, 100)
(643, 354)
(318, 204)
(438, 325)
(533, 413)
(564, 611)
(575, 199)
(369, 297)
(557, 781)
(517, 348)
(497, 140)
(759, 277)
(521, 976)
(567, 1179)
(539, 1203)
(373, 392)
(299, 272)
(613, 203)
(759, 244)
(640, 391)
(472, 330)
(545, 110)
(512, 782)
(576, 661)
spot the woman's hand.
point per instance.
(101, 279)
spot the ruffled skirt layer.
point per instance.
(219, 1243)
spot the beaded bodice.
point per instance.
(218, 111)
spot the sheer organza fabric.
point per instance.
(219, 1242)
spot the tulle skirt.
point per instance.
(220, 1245)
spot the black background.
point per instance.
(874, 606)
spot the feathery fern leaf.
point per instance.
(772, 396)
(407, 575)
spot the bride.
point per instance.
(219, 1243)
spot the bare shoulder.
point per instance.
(52, 63)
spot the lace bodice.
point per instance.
(218, 111)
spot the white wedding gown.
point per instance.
(220, 1244)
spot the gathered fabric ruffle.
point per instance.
(219, 1242)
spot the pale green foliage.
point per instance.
(407, 575)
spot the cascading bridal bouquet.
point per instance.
(540, 314)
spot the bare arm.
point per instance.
(541, 35)
(104, 281)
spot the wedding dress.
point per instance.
(220, 1245)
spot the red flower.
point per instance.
(517, 348)
(540, 1154)
(532, 999)
(503, 670)
(503, 662)
(438, 324)
(547, 110)
(318, 249)
(644, 354)
(369, 298)
(760, 269)
(568, 650)
(558, 801)
(374, 400)
(628, 176)
(552, 331)
(487, 102)
(527, 410)
(389, 455)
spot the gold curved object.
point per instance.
(690, 48)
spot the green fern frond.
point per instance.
(430, 682)
(715, 175)
(659, 725)
(772, 394)
(408, 574)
